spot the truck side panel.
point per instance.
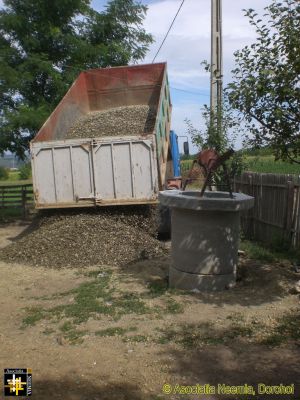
(162, 131)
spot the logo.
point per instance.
(17, 382)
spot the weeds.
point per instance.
(35, 314)
(97, 297)
(286, 328)
(192, 336)
(137, 339)
(173, 307)
(275, 251)
(71, 334)
(158, 288)
(257, 252)
(130, 303)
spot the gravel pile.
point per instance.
(111, 236)
(120, 121)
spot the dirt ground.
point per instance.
(143, 335)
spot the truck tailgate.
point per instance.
(83, 172)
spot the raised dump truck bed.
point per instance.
(107, 142)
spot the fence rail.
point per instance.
(276, 213)
(16, 196)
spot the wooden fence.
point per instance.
(275, 217)
(16, 196)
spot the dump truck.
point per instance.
(94, 151)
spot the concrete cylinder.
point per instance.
(205, 238)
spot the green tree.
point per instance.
(266, 80)
(43, 47)
(211, 137)
(25, 171)
(4, 175)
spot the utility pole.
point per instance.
(216, 75)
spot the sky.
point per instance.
(188, 44)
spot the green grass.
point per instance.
(130, 303)
(287, 328)
(267, 164)
(96, 297)
(257, 252)
(14, 179)
(11, 199)
(137, 339)
(72, 335)
(34, 314)
(158, 288)
(89, 298)
(191, 336)
(66, 326)
(10, 213)
(194, 336)
(173, 307)
(186, 165)
(260, 164)
(10, 182)
(269, 253)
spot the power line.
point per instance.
(78, 68)
(172, 23)
(190, 92)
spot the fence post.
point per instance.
(290, 209)
(250, 220)
(24, 210)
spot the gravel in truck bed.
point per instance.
(110, 236)
(120, 121)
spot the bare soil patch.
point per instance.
(118, 332)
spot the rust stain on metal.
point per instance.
(101, 89)
(174, 183)
(93, 204)
(86, 147)
(210, 160)
(36, 196)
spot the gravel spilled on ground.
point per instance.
(110, 236)
(120, 121)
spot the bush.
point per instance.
(25, 171)
(3, 173)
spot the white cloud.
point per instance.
(189, 43)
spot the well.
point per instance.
(205, 238)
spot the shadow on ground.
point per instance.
(257, 282)
(237, 365)
(79, 389)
